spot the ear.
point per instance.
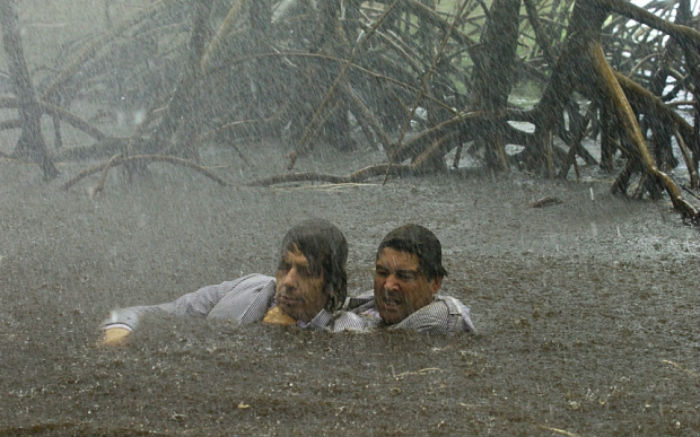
(435, 284)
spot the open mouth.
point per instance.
(391, 301)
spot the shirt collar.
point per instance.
(320, 321)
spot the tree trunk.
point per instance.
(180, 117)
(31, 142)
(611, 88)
(493, 77)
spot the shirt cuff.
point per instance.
(117, 325)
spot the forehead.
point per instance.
(390, 257)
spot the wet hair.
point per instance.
(420, 241)
(326, 249)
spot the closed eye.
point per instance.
(406, 275)
(381, 272)
(304, 271)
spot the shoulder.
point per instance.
(251, 282)
(458, 311)
(244, 299)
(350, 321)
(445, 314)
(359, 302)
(254, 281)
(251, 285)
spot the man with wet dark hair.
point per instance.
(309, 285)
(407, 277)
(326, 251)
(418, 240)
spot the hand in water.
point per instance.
(116, 336)
(275, 316)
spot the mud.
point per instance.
(586, 310)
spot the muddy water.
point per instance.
(586, 310)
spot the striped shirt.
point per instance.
(444, 314)
(244, 300)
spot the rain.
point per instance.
(149, 148)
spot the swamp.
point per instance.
(148, 148)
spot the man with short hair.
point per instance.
(309, 285)
(407, 277)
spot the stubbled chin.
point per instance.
(290, 310)
(390, 315)
(391, 320)
(295, 310)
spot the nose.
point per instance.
(290, 279)
(391, 282)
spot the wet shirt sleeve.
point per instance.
(197, 303)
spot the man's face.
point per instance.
(400, 288)
(299, 292)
